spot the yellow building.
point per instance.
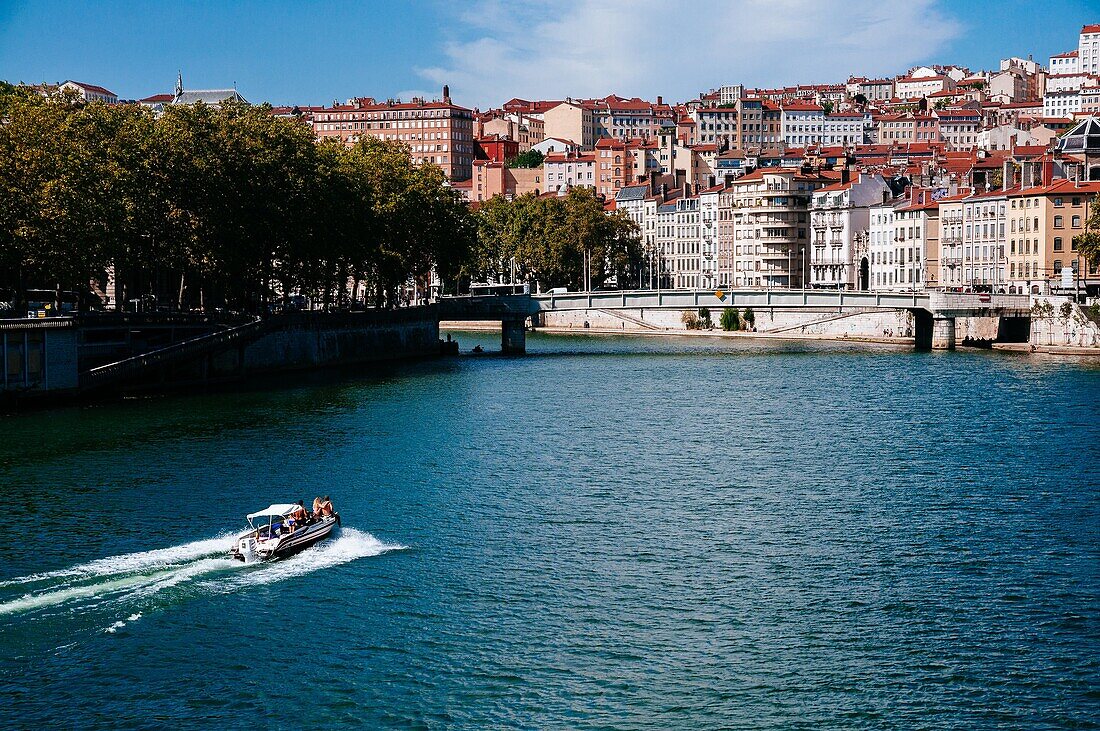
(1043, 220)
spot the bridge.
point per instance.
(511, 310)
(934, 312)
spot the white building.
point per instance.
(1064, 63)
(840, 223)
(897, 247)
(1088, 49)
(562, 171)
(844, 128)
(90, 92)
(1061, 103)
(921, 83)
(984, 221)
(802, 123)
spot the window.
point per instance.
(1057, 202)
(1057, 222)
(1057, 243)
(1076, 222)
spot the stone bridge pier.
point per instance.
(936, 326)
(513, 336)
(510, 310)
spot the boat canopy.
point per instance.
(274, 511)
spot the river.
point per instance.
(610, 532)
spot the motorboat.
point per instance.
(275, 533)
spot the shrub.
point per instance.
(690, 320)
(704, 319)
(730, 319)
(750, 317)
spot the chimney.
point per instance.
(660, 100)
(710, 181)
(652, 182)
(446, 94)
(845, 175)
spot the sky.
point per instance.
(489, 51)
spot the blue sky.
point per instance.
(491, 50)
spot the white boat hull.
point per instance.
(249, 546)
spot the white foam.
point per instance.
(142, 575)
(350, 545)
(137, 585)
(133, 562)
(115, 627)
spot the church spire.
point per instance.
(179, 84)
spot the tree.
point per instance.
(750, 318)
(730, 319)
(551, 238)
(827, 106)
(214, 205)
(1088, 242)
(705, 322)
(528, 159)
(860, 99)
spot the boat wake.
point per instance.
(136, 578)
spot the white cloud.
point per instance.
(539, 50)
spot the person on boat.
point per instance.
(317, 506)
(298, 517)
(326, 507)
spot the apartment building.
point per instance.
(436, 132)
(802, 123)
(1088, 49)
(922, 83)
(716, 126)
(1043, 221)
(565, 170)
(897, 246)
(1064, 63)
(959, 127)
(492, 178)
(614, 165)
(973, 237)
(615, 116)
(840, 223)
(571, 120)
(771, 226)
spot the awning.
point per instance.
(276, 511)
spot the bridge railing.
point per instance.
(766, 298)
(970, 301)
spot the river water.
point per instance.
(605, 533)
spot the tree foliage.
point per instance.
(550, 238)
(528, 159)
(1088, 242)
(730, 319)
(224, 205)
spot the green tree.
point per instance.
(730, 319)
(704, 318)
(528, 159)
(750, 318)
(1088, 242)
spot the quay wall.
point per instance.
(1058, 321)
(315, 342)
(820, 321)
